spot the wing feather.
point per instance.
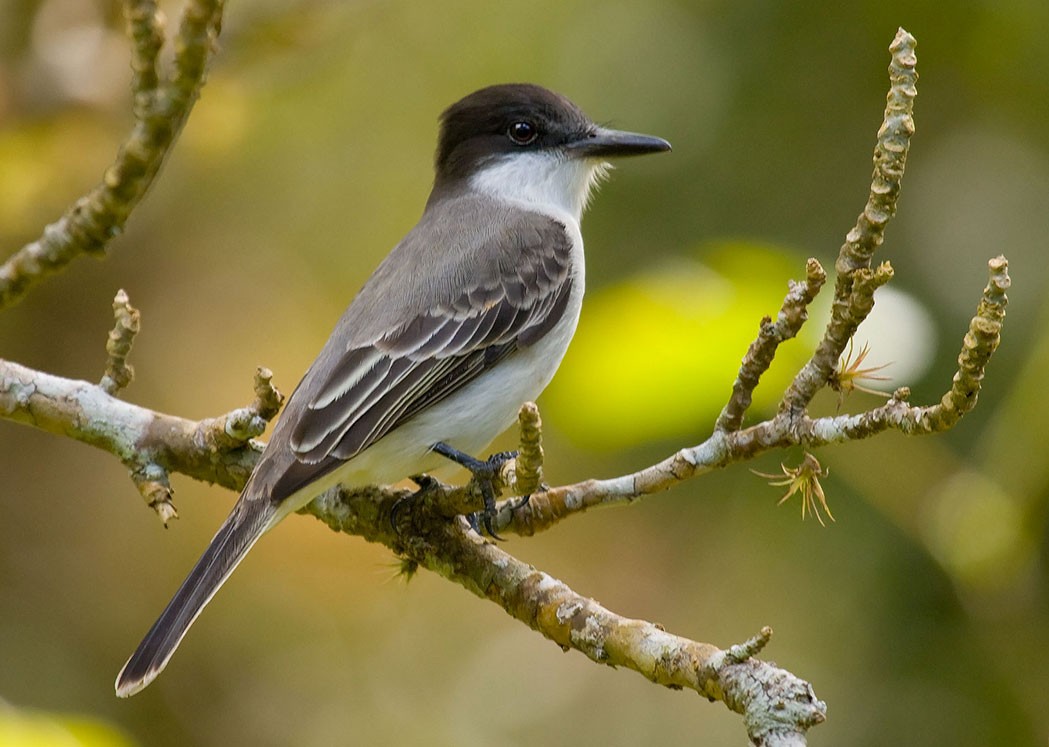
(350, 372)
(497, 297)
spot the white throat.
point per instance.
(547, 181)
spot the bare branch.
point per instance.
(856, 282)
(160, 108)
(772, 700)
(792, 315)
(146, 441)
(788, 429)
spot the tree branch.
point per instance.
(777, 706)
(160, 108)
(787, 429)
(856, 281)
(151, 444)
(792, 315)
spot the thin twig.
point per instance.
(528, 469)
(856, 281)
(787, 429)
(792, 315)
(145, 27)
(119, 373)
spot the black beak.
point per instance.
(602, 143)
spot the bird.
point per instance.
(466, 318)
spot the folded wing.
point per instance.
(496, 298)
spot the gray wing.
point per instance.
(488, 296)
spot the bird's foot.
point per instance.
(484, 472)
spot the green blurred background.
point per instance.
(921, 616)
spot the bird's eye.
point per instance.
(523, 132)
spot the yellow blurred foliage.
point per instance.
(20, 728)
(655, 355)
(49, 164)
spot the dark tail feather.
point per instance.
(229, 546)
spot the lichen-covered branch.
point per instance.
(792, 316)
(776, 704)
(528, 467)
(151, 444)
(161, 106)
(789, 429)
(856, 281)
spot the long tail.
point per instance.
(242, 529)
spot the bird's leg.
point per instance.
(484, 472)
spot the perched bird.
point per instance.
(465, 319)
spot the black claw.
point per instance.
(395, 511)
(488, 494)
(425, 482)
(487, 519)
(481, 523)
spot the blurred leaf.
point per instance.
(655, 356)
(46, 165)
(975, 528)
(41, 729)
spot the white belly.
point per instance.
(469, 419)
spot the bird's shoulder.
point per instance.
(466, 252)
